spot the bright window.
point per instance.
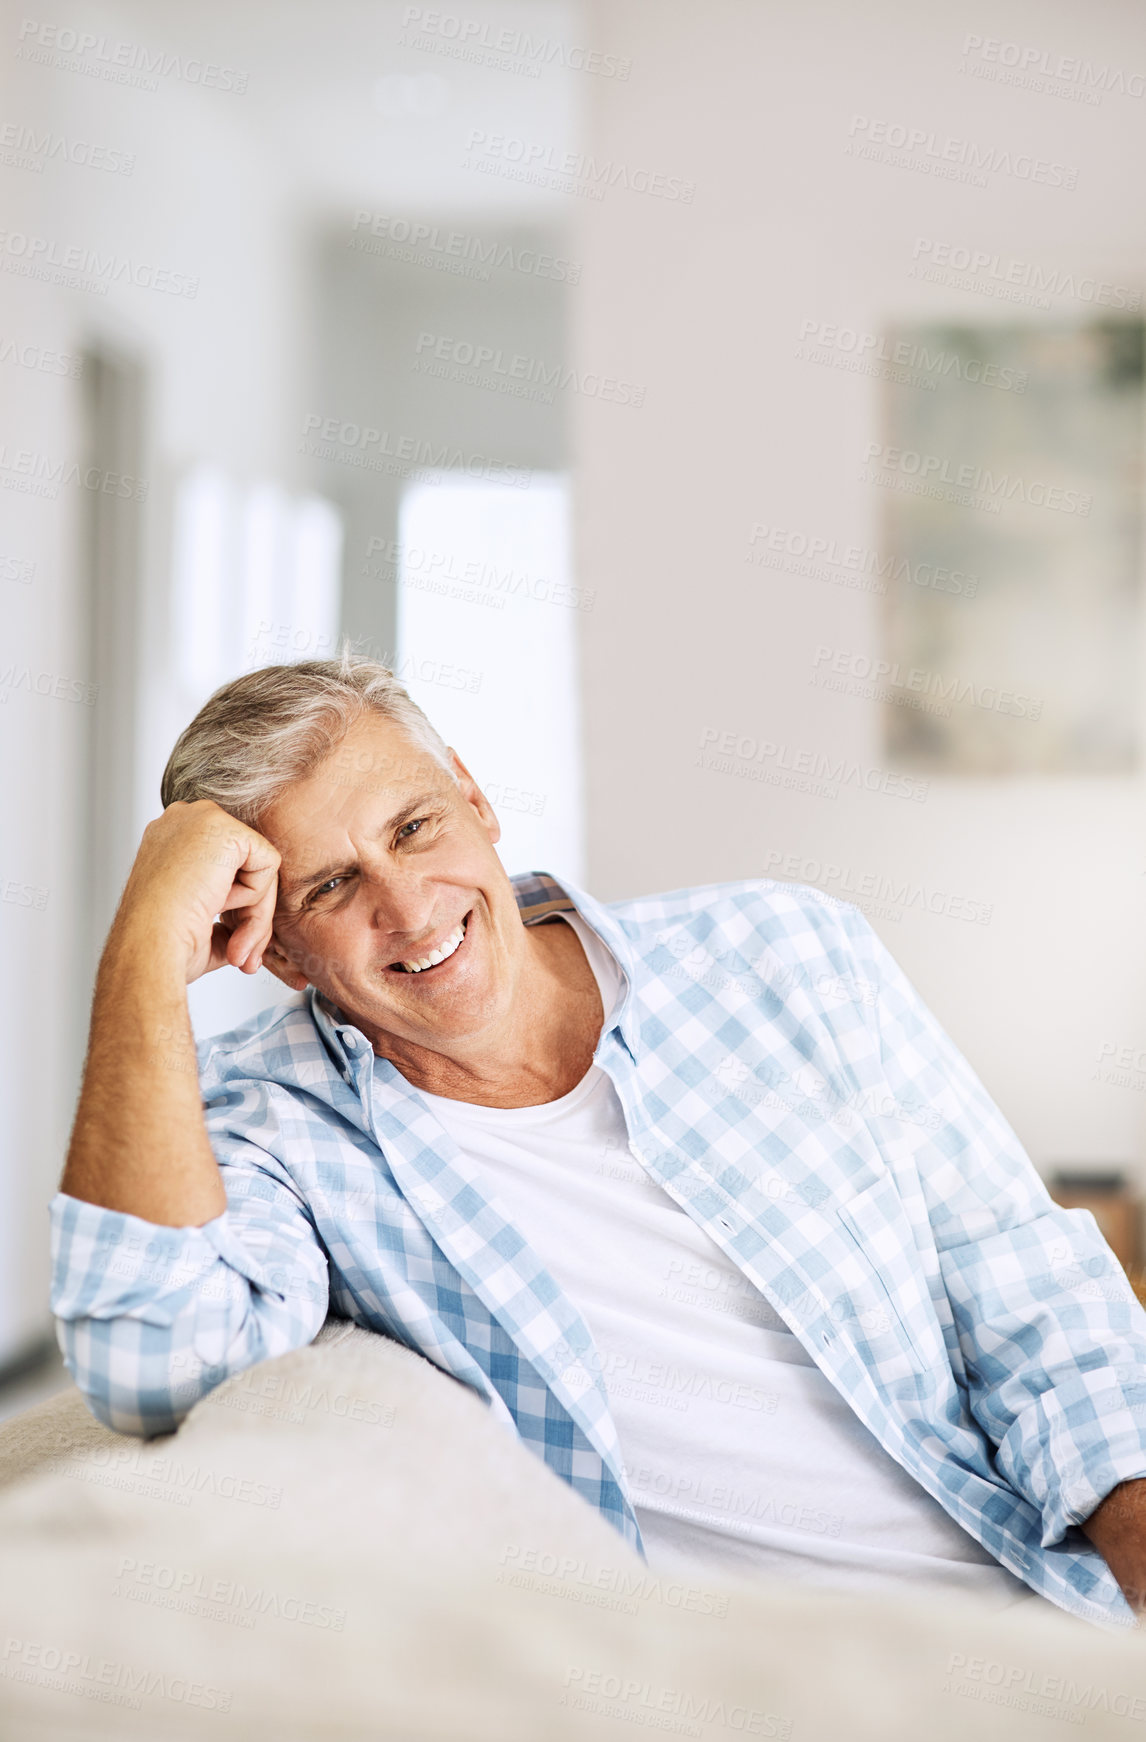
(256, 581)
(487, 646)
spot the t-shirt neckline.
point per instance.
(605, 969)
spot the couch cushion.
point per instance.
(344, 1543)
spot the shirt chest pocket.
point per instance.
(888, 1310)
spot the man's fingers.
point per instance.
(261, 861)
(264, 913)
(253, 933)
(246, 946)
(253, 884)
(253, 880)
(220, 943)
(241, 895)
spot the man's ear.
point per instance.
(276, 963)
(474, 795)
(274, 960)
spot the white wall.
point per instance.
(703, 303)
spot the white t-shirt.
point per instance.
(738, 1452)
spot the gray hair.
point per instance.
(263, 730)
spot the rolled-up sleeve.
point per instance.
(150, 1318)
(1052, 1336)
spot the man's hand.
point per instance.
(1117, 1529)
(204, 884)
(201, 893)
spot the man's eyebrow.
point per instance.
(408, 810)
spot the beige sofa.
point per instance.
(342, 1544)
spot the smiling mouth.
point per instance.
(434, 958)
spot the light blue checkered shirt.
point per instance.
(784, 1084)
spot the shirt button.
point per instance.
(350, 1042)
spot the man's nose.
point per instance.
(402, 903)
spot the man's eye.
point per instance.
(325, 888)
(416, 824)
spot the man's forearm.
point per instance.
(1117, 1529)
(139, 1143)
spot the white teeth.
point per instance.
(443, 950)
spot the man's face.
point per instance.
(384, 859)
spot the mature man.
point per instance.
(691, 1188)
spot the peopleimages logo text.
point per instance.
(737, 752)
(876, 567)
(381, 450)
(41, 256)
(52, 44)
(1006, 273)
(490, 366)
(1039, 63)
(23, 147)
(909, 354)
(516, 50)
(840, 662)
(993, 486)
(532, 159)
(457, 249)
(863, 887)
(930, 147)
